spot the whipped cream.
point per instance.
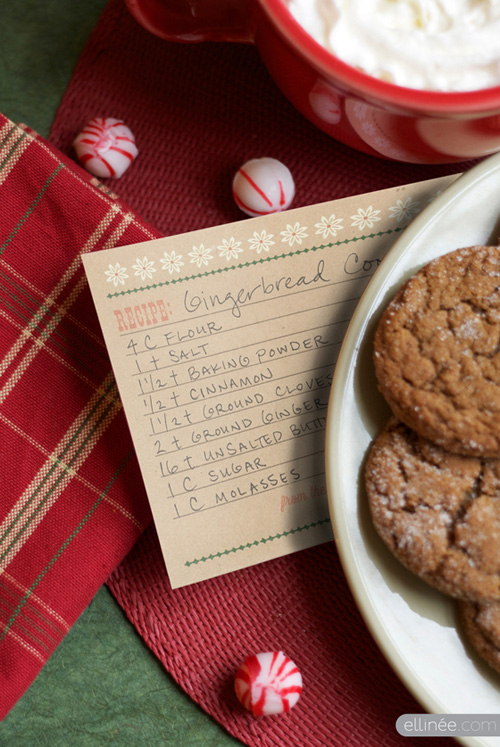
(443, 45)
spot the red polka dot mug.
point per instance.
(366, 113)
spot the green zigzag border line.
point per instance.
(255, 543)
(254, 262)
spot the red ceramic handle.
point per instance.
(193, 20)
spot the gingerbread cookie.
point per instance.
(437, 355)
(439, 513)
(481, 624)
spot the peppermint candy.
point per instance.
(105, 147)
(263, 186)
(268, 683)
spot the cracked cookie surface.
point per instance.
(438, 513)
(481, 624)
(437, 351)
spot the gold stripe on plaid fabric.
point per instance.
(38, 601)
(91, 243)
(18, 612)
(13, 143)
(117, 506)
(26, 645)
(30, 622)
(50, 300)
(50, 349)
(97, 189)
(29, 629)
(12, 274)
(39, 320)
(59, 469)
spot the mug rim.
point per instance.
(479, 101)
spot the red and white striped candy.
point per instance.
(105, 147)
(263, 186)
(268, 683)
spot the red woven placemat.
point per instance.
(198, 112)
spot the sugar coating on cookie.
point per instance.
(481, 625)
(438, 513)
(437, 351)
(268, 683)
(105, 147)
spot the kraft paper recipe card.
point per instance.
(223, 343)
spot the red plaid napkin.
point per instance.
(72, 503)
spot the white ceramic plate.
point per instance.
(415, 626)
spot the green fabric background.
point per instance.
(102, 686)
